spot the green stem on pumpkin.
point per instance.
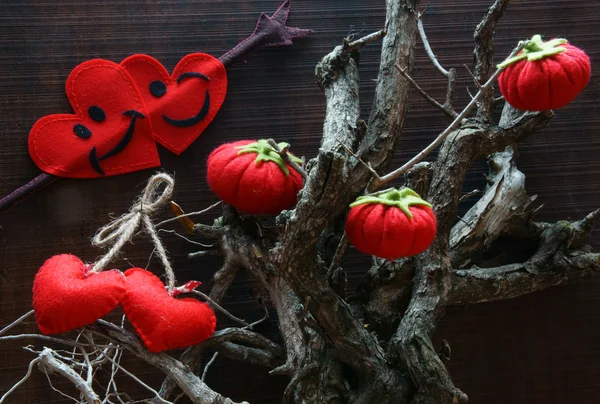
(536, 49)
(265, 152)
(402, 199)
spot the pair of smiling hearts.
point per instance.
(66, 296)
(122, 110)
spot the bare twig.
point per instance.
(468, 195)
(138, 381)
(484, 55)
(210, 362)
(427, 47)
(359, 43)
(204, 253)
(210, 232)
(475, 81)
(444, 108)
(42, 337)
(450, 74)
(338, 257)
(16, 322)
(20, 382)
(189, 383)
(181, 236)
(50, 364)
(286, 157)
(217, 306)
(361, 161)
(177, 218)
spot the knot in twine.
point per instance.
(121, 230)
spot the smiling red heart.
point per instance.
(162, 321)
(109, 133)
(66, 295)
(183, 104)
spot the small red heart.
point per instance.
(183, 104)
(66, 295)
(109, 134)
(162, 321)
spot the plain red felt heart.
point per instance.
(162, 321)
(109, 133)
(183, 104)
(66, 295)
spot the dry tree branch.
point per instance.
(189, 383)
(215, 305)
(16, 322)
(484, 53)
(444, 108)
(427, 46)
(556, 261)
(450, 129)
(43, 338)
(177, 218)
(450, 74)
(50, 364)
(138, 381)
(502, 206)
(359, 43)
(208, 365)
(479, 285)
(20, 382)
(283, 153)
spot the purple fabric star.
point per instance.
(269, 32)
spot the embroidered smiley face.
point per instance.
(183, 104)
(109, 133)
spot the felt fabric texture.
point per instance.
(391, 225)
(249, 184)
(183, 104)
(67, 296)
(109, 133)
(548, 83)
(162, 321)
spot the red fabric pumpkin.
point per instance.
(394, 224)
(544, 75)
(253, 177)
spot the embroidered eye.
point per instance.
(158, 88)
(81, 131)
(96, 113)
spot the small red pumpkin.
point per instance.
(544, 75)
(252, 177)
(390, 225)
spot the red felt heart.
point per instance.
(183, 104)
(162, 321)
(66, 295)
(109, 133)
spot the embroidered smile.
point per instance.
(95, 160)
(158, 89)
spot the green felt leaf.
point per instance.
(265, 152)
(536, 49)
(403, 199)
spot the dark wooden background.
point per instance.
(536, 349)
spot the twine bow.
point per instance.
(121, 230)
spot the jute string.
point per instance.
(121, 230)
